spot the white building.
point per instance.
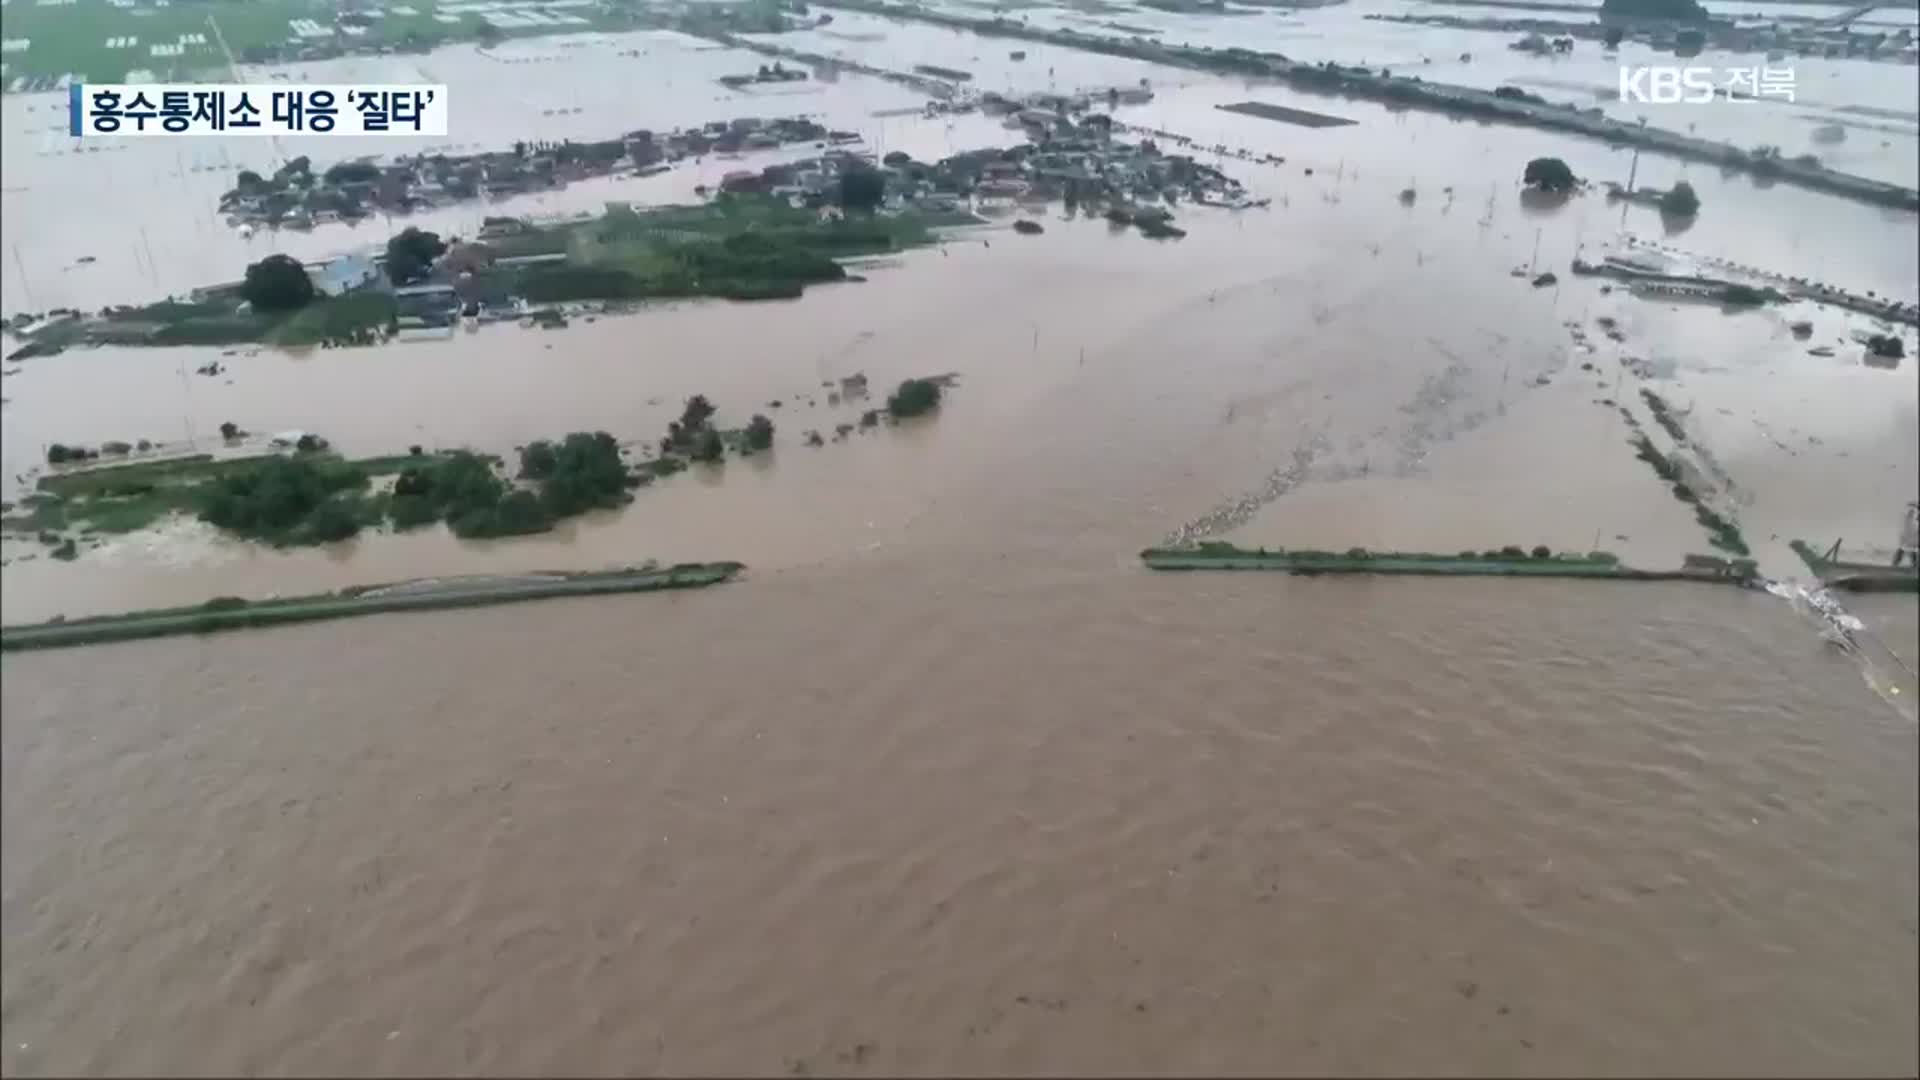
(341, 274)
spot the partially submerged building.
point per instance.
(342, 274)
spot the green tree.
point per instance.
(1549, 174)
(538, 460)
(521, 513)
(410, 254)
(412, 511)
(348, 172)
(277, 283)
(1680, 201)
(915, 396)
(759, 432)
(588, 474)
(463, 482)
(861, 189)
(412, 482)
(695, 415)
(273, 500)
(707, 446)
(1681, 10)
(331, 521)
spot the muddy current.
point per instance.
(948, 784)
(957, 787)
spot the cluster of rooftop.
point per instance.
(297, 197)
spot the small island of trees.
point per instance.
(1549, 174)
(914, 397)
(314, 498)
(1680, 201)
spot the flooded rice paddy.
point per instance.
(948, 783)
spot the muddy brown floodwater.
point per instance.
(956, 787)
(948, 784)
(944, 817)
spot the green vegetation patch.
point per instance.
(1511, 561)
(741, 247)
(306, 497)
(914, 397)
(1721, 532)
(1663, 415)
(579, 473)
(353, 316)
(1514, 558)
(301, 499)
(119, 498)
(363, 315)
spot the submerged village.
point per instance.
(764, 234)
(1071, 154)
(761, 234)
(769, 233)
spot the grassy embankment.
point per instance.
(233, 613)
(1721, 532)
(291, 500)
(132, 496)
(316, 497)
(215, 321)
(1506, 562)
(1857, 576)
(735, 247)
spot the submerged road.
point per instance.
(1353, 82)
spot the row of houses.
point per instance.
(295, 197)
(1065, 158)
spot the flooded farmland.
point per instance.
(1030, 807)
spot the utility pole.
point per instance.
(233, 70)
(1633, 171)
(23, 276)
(149, 250)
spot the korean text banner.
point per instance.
(186, 109)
